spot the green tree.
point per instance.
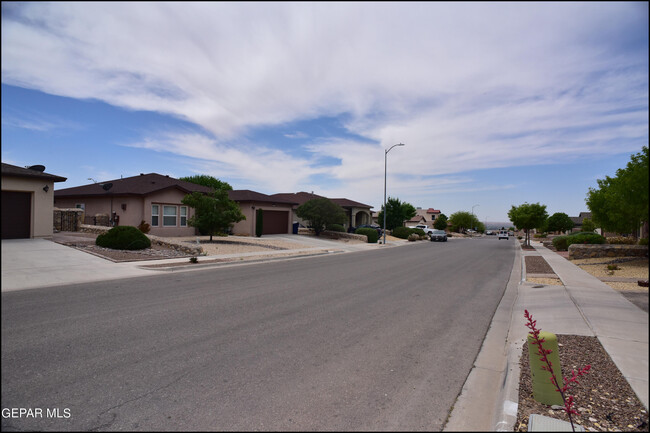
(321, 212)
(620, 204)
(462, 221)
(559, 222)
(441, 222)
(397, 213)
(214, 213)
(205, 180)
(588, 225)
(528, 216)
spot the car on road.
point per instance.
(503, 234)
(438, 236)
(489, 233)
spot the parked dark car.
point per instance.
(438, 236)
(368, 226)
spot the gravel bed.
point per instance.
(537, 265)
(604, 399)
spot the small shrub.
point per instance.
(643, 241)
(370, 233)
(336, 228)
(613, 267)
(621, 240)
(413, 237)
(144, 227)
(401, 232)
(194, 260)
(123, 238)
(539, 235)
(560, 243)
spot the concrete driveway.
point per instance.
(31, 263)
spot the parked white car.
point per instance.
(503, 234)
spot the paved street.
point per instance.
(375, 340)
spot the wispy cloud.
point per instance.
(466, 86)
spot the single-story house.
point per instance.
(277, 213)
(27, 201)
(577, 221)
(157, 200)
(152, 198)
(356, 213)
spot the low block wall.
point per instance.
(582, 251)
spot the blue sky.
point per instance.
(497, 103)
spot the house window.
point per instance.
(81, 206)
(169, 216)
(155, 213)
(183, 216)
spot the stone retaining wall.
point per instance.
(582, 251)
(68, 220)
(156, 240)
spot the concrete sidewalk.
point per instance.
(584, 305)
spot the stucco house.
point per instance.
(27, 201)
(157, 200)
(577, 221)
(153, 198)
(277, 213)
(416, 220)
(356, 213)
(429, 215)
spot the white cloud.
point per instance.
(465, 85)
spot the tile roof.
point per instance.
(12, 170)
(248, 195)
(303, 197)
(143, 184)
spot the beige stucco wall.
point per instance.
(42, 202)
(171, 197)
(247, 226)
(137, 209)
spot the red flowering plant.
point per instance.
(567, 381)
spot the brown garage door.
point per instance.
(16, 214)
(275, 222)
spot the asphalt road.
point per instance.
(380, 340)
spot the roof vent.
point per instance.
(40, 168)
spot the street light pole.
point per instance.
(473, 212)
(385, 171)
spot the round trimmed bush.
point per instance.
(401, 232)
(123, 238)
(370, 233)
(560, 243)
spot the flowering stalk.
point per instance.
(567, 381)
